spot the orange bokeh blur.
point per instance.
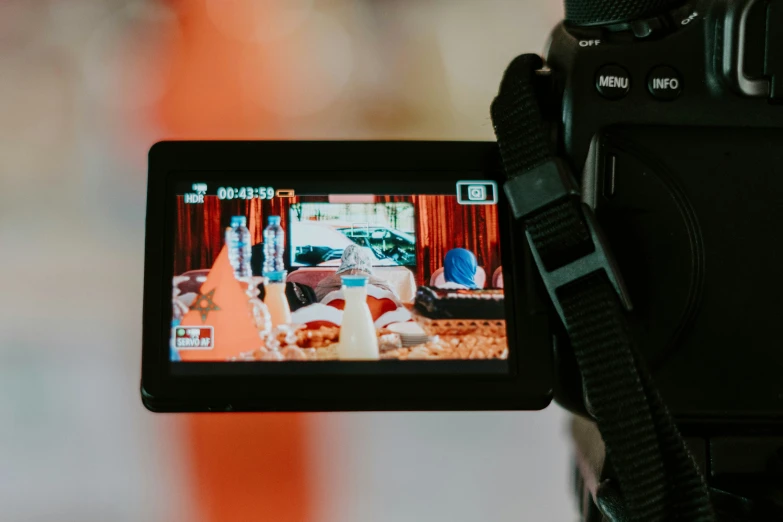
(213, 77)
(245, 467)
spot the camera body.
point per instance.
(676, 125)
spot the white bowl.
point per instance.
(408, 328)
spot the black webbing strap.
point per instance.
(656, 475)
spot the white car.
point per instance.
(320, 244)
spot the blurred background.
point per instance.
(86, 86)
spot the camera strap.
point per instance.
(654, 471)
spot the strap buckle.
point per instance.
(540, 187)
(599, 259)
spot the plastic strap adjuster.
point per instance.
(599, 259)
(539, 187)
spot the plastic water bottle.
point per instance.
(238, 241)
(274, 244)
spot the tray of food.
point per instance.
(460, 312)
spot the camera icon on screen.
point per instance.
(477, 192)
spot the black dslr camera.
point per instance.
(672, 114)
(674, 119)
(634, 194)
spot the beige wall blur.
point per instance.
(79, 80)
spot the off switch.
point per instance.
(664, 83)
(612, 82)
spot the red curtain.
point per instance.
(200, 228)
(442, 224)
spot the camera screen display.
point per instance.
(273, 274)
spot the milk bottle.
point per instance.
(274, 298)
(358, 338)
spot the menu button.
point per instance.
(612, 82)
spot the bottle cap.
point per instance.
(238, 221)
(277, 276)
(353, 281)
(274, 220)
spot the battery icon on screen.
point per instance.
(285, 193)
(477, 192)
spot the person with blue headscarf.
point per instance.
(459, 269)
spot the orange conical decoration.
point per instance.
(223, 305)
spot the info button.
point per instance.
(613, 82)
(664, 83)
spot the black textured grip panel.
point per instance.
(604, 12)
